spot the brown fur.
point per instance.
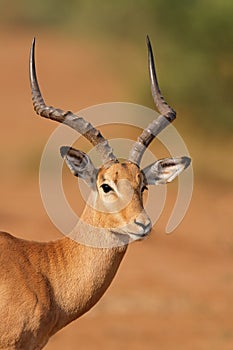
(45, 286)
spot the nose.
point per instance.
(146, 226)
(144, 222)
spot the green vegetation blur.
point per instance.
(192, 40)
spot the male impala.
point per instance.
(45, 286)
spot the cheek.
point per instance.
(109, 198)
(106, 203)
(134, 208)
(116, 205)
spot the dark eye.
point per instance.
(144, 188)
(106, 188)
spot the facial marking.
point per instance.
(114, 174)
(115, 177)
(103, 178)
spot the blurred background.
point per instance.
(172, 291)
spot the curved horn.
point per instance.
(78, 123)
(166, 117)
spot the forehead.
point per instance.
(119, 171)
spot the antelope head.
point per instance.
(117, 186)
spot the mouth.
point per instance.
(141, 233)
(137, 236)
(133, 236)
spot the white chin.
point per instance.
(136, 237)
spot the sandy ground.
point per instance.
(171, 291)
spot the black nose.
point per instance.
(142, 225)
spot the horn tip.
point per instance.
(148, 42)
(32, 49)
(33, 42)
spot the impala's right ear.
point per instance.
(80, 164)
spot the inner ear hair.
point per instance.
(165, 170)
(79, 164)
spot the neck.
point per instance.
(81, 273)
(82, 277)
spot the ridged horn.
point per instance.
(166, 117)
(72, 120)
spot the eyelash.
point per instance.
(106, 188)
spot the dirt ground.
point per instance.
(171, 291)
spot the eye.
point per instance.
(144, 188)
(106, 188)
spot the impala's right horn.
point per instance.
(78, 123)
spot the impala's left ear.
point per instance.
(165, 170)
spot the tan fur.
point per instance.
(45, 286)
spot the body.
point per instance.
(51, 284)
(45, 286)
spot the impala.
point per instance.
(45, 286)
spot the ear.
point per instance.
(165, 170)
(80, 164)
